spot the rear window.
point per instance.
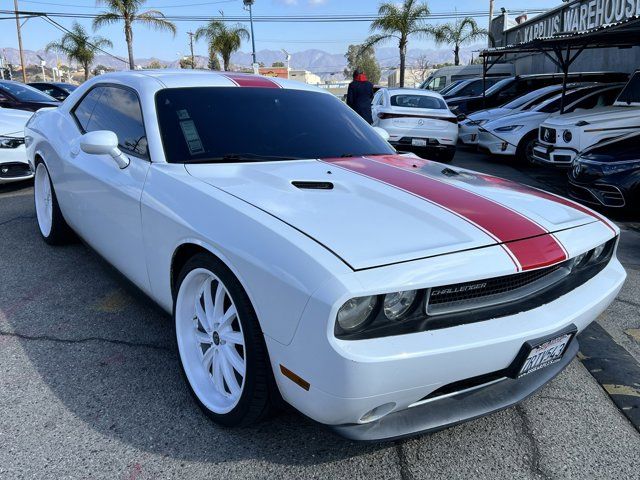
(207, 124)
(418, 101)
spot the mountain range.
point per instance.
(325, 64)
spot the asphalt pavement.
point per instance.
(90, 387)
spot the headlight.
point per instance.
(397, 304)
(476, 123)
(596, 256)
(355, 313)
(509, 128)
(567, 136)
(619, 166)
(10, 142)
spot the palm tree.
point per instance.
(128, 12)
(399, 22)
(79, 46)
(458, 34)
(222, 39)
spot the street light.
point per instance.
(249, 5)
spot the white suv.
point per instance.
(562, 137)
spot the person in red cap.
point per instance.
(360, 95)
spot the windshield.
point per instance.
(66, 87)
(533, 98)
(449, 87)
(418, 101)
(499, 86)
(25, 93)
(631, 92)
(217, 124)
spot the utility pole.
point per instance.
(490, 19)
(249, 3)
(24, 72)
(193, 59)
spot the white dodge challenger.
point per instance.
(303, 259)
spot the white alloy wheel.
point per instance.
(43, 199)
(210, 341)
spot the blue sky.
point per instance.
(332, 37)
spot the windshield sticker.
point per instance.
(191, 137)
(183, 114)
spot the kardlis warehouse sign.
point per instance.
(578, 16)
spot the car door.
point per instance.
(376, 104)
(106, 199)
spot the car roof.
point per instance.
(176, 78)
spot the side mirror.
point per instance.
(103, 142)
(382, 132)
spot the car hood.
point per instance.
(522, 118)
(12, 121)
(596, 115)
(368, 222)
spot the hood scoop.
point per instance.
(312, 185)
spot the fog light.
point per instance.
(377, 413)
(597, 252)
(567, 136)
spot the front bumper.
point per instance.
(349, 379)
(468, 134)
(449, 410)
(14, 166)
(598, 193)
(551, 155)
(490, 142)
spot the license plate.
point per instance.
(545, 354)
(474, 137)
(418, 142)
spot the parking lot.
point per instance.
(90, 386)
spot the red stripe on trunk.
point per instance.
(251, 81)
(533, 246)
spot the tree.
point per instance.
(154, 65)
(79, 46)
(128, 12)
(422, 69)
(214, 62)
(186, 62)
(457, 34)
(400, 22)
(223, 39)
(277, 65)
(363, 59)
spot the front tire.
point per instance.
(51, 223)
(222, 350)
(524, 152)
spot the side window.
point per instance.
(376, 98)
(83, 110)
(118, 110)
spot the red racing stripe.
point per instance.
(251, 80)
(526, 242)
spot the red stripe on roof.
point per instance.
(499, 222)
(251, 80)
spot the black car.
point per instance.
(608, 174)
(23, 97)
(507, 89)
(470, 87)
(57, 90)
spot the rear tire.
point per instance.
(446, 156)
(52, 225)
(223, 356)
(524, 152)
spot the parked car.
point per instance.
(23, 97)
(302, 257)
(470, 87)
(57, 90)
(468, 128)
(510, 88)
(416, 118)
(517, 134)
(608, 174)
(13, 156)
(449, 87)
(447, 75)
(562, 138)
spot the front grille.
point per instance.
(548, 135)
(14, 170)
(493, 291)
(542, 154)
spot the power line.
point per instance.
(147, 6)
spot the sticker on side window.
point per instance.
(191, 137)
